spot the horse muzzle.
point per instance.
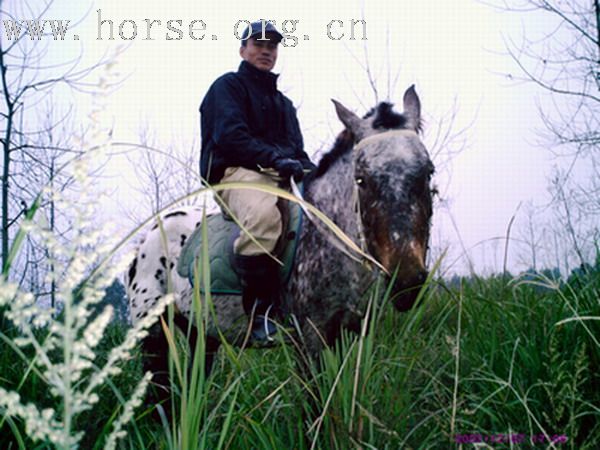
(406, 292)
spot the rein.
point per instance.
(354, 252)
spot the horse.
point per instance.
(374, 184)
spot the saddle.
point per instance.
(222, 232)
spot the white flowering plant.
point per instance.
(65, 352)
(62, 347)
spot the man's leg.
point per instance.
(258, 213)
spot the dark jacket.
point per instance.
(245, 121)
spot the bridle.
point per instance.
(358, 252)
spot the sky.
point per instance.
(453, 51)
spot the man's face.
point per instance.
(261, 54)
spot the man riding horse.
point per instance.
(248, 126)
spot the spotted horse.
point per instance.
(374, 184)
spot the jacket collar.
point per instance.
(247, 70)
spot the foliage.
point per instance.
(490, 357)
(61, 351)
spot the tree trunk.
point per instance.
(6, 163)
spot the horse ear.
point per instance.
(412, 108)
(350, 120)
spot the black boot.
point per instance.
(261, 295)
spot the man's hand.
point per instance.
(308, 165)
(287, 168)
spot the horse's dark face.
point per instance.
(392, 171)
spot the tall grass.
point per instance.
(488, 359)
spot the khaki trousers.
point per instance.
(257, 211)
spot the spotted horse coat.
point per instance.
(152, 270)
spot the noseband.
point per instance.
(382, 136)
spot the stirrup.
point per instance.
(265, 332)
(263, 329)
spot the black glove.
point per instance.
(308, 165)
(289, 167)
(310, 176)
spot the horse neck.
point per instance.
(333, 194)
(326, 277)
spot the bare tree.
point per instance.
(33, 129)
(565, 63)
(531, 238)
(151, 169)
(164, 173)
(187, 154)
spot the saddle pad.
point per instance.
(221, 235)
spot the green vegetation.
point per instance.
(497, 357)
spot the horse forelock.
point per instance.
(383, 118)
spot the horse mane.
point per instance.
(385, 119)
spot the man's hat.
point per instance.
(256, 29)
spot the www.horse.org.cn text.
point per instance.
(176, 30)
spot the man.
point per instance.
(249, 126)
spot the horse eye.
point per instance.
(359, 180)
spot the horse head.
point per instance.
(392, 173)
